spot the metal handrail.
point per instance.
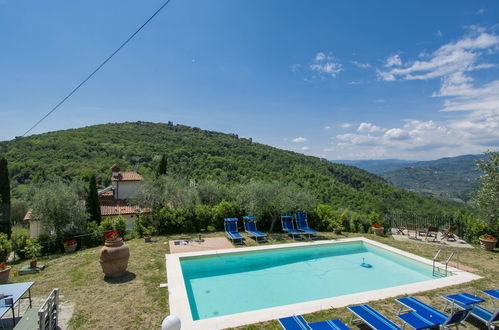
(434, 261)
(446, 263)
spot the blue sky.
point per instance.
(334, 79)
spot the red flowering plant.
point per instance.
(112, 236)
(69, 242)
(488, 238)
(377, 225)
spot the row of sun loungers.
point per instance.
(417, 315)
(301, 228)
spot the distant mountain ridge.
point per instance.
(453, 178)
(377, 166)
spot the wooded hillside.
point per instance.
(199, 154)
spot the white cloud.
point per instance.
(481, 11)
(361, 65)
(368, 127)
(330, 68)
(439, 33)
(393, 60)
(320, 56)
(327, 127)
(356, 139)
(355, 83)
(474, 130)
(396, 134)
(345, 125)
(415, 139)
(460, 56)
(299, 139)
(380, 101)
(305, 148)
(326, 65)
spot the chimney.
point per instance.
(115, 169)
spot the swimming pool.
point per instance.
(221, 287)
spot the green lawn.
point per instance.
(137, 302)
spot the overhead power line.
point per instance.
(98, 68)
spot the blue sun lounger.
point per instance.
(492, 293)
(250, 228)
(302, 224)
(231, 230)
(329, 324)
(467, 301)
(287, 226)
(297, 322)
(430, 314)
(372, 318)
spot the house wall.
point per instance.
(35, 228)
(125, 189)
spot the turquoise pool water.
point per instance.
(239, 282)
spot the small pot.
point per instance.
(32, 263)
(337, 231)
(488, 244)
(4, 275)
(147, 238)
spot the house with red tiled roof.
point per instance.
(114, 200)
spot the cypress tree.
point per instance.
(4, 198)
(162, 166)
(93, 206)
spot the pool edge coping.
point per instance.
(177, 290)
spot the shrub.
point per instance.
(33, 249)
(119, 224)
(168, 221)
(139, 226)
(93, 237)
(19, 238)
(5, 247)
(373, 218)
(48, 243)
(204, 216)
(188, 223)
(474, 229)
(341, 221)
(224, 210)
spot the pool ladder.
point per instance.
(436, 269)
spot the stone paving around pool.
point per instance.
(191, 245)
(431, 240)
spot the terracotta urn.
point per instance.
(378, 231)
(4, 275)
(487, 244)
(114, 257)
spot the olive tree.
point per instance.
(59, 205)
(273, 199)
(487, 198)
(156, 193)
